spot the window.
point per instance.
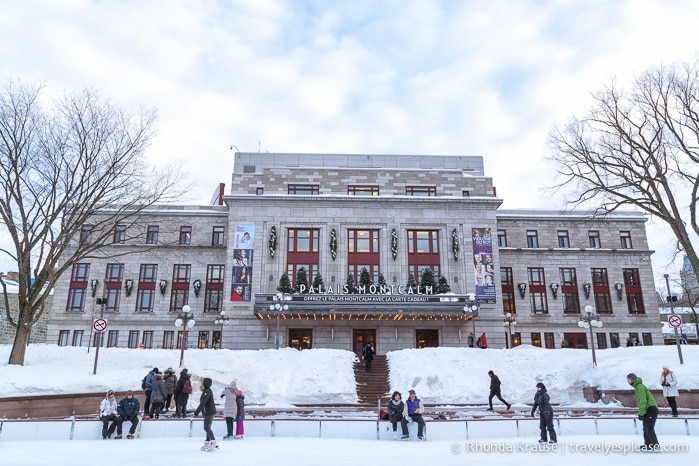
(145, 296)
(465, 193)
(625, 237)
(363, 253)
(259, 191)
(113, 338)
(112, 286)
(532, 239)
(549, 341)
(508, 290)
(614, 338)
(152, 234)
(593, 235)
(63, 337)
(502, 238)
(179, 294)
(569, 291)
(119, 234)
(133, 338)
(600, 288)
(217, 235)
(647, 339)
(536, 339)
(182, 339)
(634, 293)
(203, 340)
(77, 291)
(148, 339)
(86, 234)
(421, 191)
(213, 294)
(304, 189)
(168, 339)
(302, 251)
(563, 240)
(423, 252)
(362, 190)
(185, 235)
(601, 340)
(537, 290)
(78, 337)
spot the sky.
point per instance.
(284, 377)
(480, 77)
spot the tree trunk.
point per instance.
(20, 345)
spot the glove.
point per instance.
(533, 413)
(408, 419)
(640, 417)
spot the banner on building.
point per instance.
(243, 249)
(483, 266)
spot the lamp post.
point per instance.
(471, 311)
(510, 322)
(672, 312)
(222, 320)
(184, 320)
(590, 320)
(279, 306)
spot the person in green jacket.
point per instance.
(647, 411)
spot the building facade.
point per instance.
(400, 251)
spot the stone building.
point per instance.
(421, 238)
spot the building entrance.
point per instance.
(360, 337)
(427, 338)
(301, 338)
(575, 340)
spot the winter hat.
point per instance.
(184, 373)
(170, 370)
(155, 370)
(541, 386)
(207, 382)
(411, 392)
(490, 372)
(632, 377)
(240, 393)
(110, 392)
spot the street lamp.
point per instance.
(471, 311)
(510, 322)
(184, 320)
(279, 306)
(222, 320)
(590, 320)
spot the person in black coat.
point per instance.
(542, 401)
(181, 393)
(207, 407)
(128, 410)
(395, 414)
(368, 356)
(495, 391)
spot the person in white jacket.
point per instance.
(668, 380)
(108, 413)
(230, 409)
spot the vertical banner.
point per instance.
(243, 249)
(483, 266)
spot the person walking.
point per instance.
(647, 412)
(170, 380)
(395, 414)
(147, 385)
(240, 417)
(542, 401)
(368, 356)
(495, 391)
(157, 396)
(183, 389)
(108, 413)
(230, 408)
(668, 380)
(208, 408)
(412, 412)
(128, 410)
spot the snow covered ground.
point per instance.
(282, 378)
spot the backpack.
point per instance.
(143, 382)
(187, 387)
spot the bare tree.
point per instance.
(68, 176)
(637, 147)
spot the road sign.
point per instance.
(675, 321)
(99, 325)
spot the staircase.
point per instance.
(372, 385)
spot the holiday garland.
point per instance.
(455, 244)
(333, 244)
(272, 241)
(394, 244)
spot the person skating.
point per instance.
(668, 380)
(208, 408)
(542, 401)
(170, 380)
(495, 391)
(230, 408)
(395, 414)
(128, 410)
(240, 417)
(108, 413)
(183, 389)
(647, 411)
(412, 412)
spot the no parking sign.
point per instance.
(99, 325)
(675, 321)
